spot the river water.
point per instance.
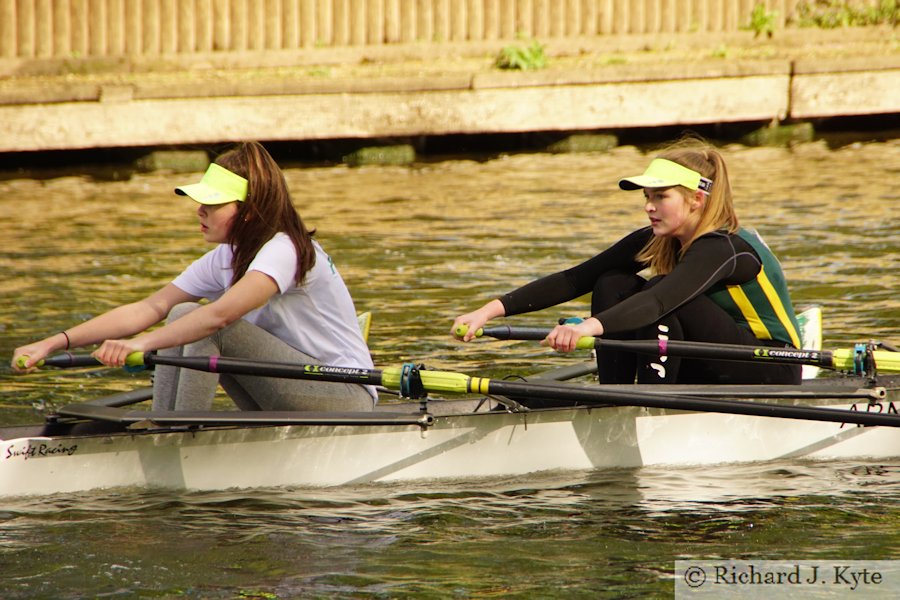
(418, 245)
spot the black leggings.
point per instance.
(700, 320)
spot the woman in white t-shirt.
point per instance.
(272, 294)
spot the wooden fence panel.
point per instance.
(541, 19)
(186, 34)
(43, 28)
(25, 27)
(491, 26)
(9, 43)
(324, 16)
(475, 22)
(65, 28)
(391, 19)
(458, 14)
(62, 28)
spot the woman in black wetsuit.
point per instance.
(712, 281)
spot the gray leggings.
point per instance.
(186, 389)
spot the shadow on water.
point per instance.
(115, 164)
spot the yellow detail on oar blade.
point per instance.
(365, 324)
(885, 360)
(810, 322)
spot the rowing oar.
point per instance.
(67, 360)
(398, 378)
(841, 359)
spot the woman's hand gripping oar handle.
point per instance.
(462, 330)
(505, 332)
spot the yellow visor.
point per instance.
(218, 186)
(664, 173)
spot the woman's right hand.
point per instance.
(476, 319)
(564, 338)
(114, 353)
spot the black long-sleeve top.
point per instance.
(716, 257)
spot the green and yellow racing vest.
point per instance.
(763, 304)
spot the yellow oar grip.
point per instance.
(135, 359)
(461, 330)
(20, 362)
(586, 342)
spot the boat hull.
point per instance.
(453, 446)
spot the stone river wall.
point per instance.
(593, 83)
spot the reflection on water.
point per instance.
(417, 246)
(620, 528)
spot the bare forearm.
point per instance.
(119, 322)
(123, 321)
(251, 292)
(196, 325)
(476, 319)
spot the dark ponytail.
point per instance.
(266, 211)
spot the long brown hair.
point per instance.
(266, 211)
(662, 253)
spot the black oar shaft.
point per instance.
(685, 349)
(563, 394)
(558, 393)
(67, 360)
(218, 364)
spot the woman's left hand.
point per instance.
(564, 338)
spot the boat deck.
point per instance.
(106, 416)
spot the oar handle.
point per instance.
(65, 360)
(506, 332)
(20, 362)
(135, 359)
(68, 360)
(886, 361)
(462, 330)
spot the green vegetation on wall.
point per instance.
(762, 21)
(831, 14)
(523, 58)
